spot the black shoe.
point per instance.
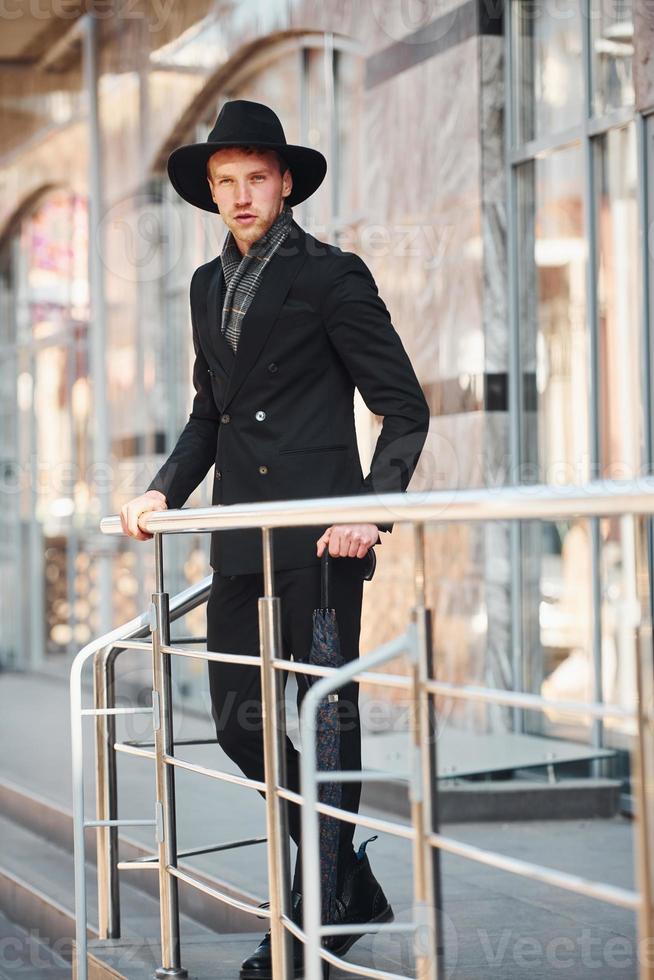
(258, 966)
(361, 900)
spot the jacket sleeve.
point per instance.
(360, 329)
(195, 450)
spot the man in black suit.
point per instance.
(285, 327)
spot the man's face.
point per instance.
(247, 184)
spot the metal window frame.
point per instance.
(586, 134)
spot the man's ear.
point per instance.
(287, 181)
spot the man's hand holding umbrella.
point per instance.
(348, 540)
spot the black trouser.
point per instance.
(233, 627)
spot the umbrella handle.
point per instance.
(325, 576)
(325, 566)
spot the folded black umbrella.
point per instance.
(326, 652)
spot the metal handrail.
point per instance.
(635, 498)
(527, 502)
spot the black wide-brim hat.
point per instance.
(243, 123)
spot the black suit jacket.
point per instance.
(277, 419)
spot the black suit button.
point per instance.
(263, 470)
(219, 475)
(272, 367)
(225, 419)
(210, 372)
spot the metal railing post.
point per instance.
(644, 751)
(106, 795)
(272, 704)
(165, 775)
(424, 784)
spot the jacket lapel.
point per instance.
(257, 323)
(215, 293)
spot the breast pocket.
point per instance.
(293, 315)
(300, 450)
(291, 307)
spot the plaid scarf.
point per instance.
(243, 273)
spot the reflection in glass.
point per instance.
(548, 94)
(53, 401)
(612, 32)
(619, 602)
(53, 318)
(558, 617)
(553, 341)
(347, 156)
(620, 402)
(12, 640)
(558, 620)
(552, 322)
(620, 390)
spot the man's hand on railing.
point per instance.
(348, 540)
(132, 510)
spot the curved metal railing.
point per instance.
(632, 498)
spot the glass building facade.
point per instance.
(574, 154)
(491, 163)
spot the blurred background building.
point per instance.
(490, 161)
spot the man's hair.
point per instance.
(253, 148)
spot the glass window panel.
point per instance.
(319, 118)
(10, 529)
(612, 29)
(552, 322)
(548, 94)
(349, 87)
(49, 296)
(620, 396)
(557, 581)
(618, 600)
(558, 621)
(620, 404)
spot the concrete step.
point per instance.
(25, 955)
(464, 758)
(36, 884)
(54, 823)
(510, 799)
(44, 900)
